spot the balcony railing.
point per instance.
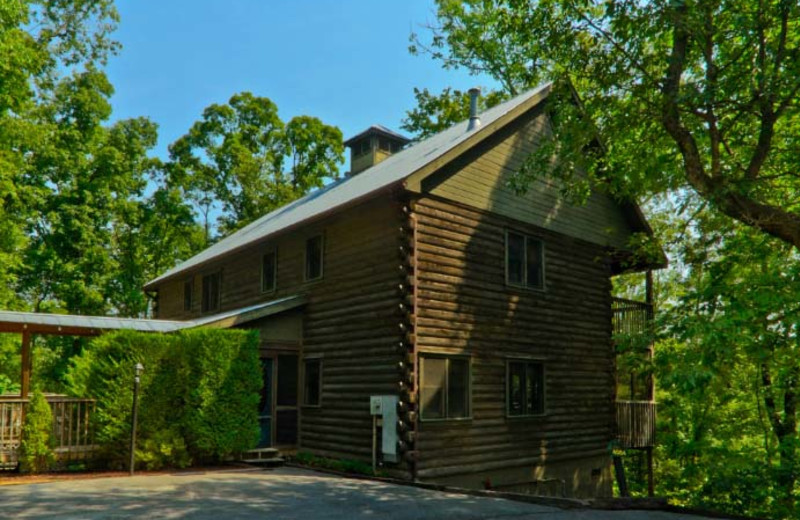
(630, 316)
(72, 434)
(636, 419)
(636, 424)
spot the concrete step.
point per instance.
(268, 463)
(262, 453)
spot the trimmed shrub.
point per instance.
(36, 448)
(198, 396)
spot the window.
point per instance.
(188, 294)
(525, 381)
(445, 392)
(312, 382)
(363, 147)
(269, 271)
(524, 261)
(211, 289)
(314, 247)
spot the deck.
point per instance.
(636, 419)
(72, 435)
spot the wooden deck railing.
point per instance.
(636, 424)
(72, 434)
(630, 316)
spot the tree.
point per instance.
(437, 112)
(233, 160)
(710, 86)
(35, 449)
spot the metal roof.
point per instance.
(378, 129)
(338, 194)
(70, 324)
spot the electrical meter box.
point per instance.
(376, 405)
(385, 406)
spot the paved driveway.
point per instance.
(275, 494)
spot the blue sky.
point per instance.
(346, 61)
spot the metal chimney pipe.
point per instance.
(474, 120)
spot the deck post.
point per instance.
(27, 365)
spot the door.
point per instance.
(265, 406)
(286, 401)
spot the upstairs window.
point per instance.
(269, 271)
(363, 147)
(211, 292)
(445, 392)
(188, 294)
(314, 254)
(524, 261)
(525, 381)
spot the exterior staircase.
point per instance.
(264, 457)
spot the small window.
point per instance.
(314, 246)
(188, 294)
(525, 381)
(363, 147)
(211, 290)
(445, 392)
(312, 382)
(524, 261)
(269, 271)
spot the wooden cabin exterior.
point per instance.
(488, 314)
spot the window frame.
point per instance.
(447, 357)
(306, 279)
(274, 253)
(203, 305)
(526, 362)
(188, 294)
(542, 255)
(306, 360)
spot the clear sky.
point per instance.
(346, 61)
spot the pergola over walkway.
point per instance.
(29, 323)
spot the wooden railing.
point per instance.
(636, 424)
(630, 316)
(72, 434)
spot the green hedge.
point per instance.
(198, 396)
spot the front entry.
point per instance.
(278, 410)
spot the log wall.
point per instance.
(350, 320)
(463, 306)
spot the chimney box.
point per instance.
(373, 145)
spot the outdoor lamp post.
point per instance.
(138, 371)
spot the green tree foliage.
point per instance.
(710, 86)
(437, 112)
(198, 398)
(241, 159)
(35, 451)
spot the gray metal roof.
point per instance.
(35, 322)
(378, 129)
(383, 175)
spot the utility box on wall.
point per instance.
(385, 406)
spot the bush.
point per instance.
(35, 450)
(198, 396)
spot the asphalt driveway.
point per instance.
(275, 494)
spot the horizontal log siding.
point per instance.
(483, 183)
(351, 317)
(463, 304)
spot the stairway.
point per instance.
(265, 457)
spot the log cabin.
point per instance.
(421, 295)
